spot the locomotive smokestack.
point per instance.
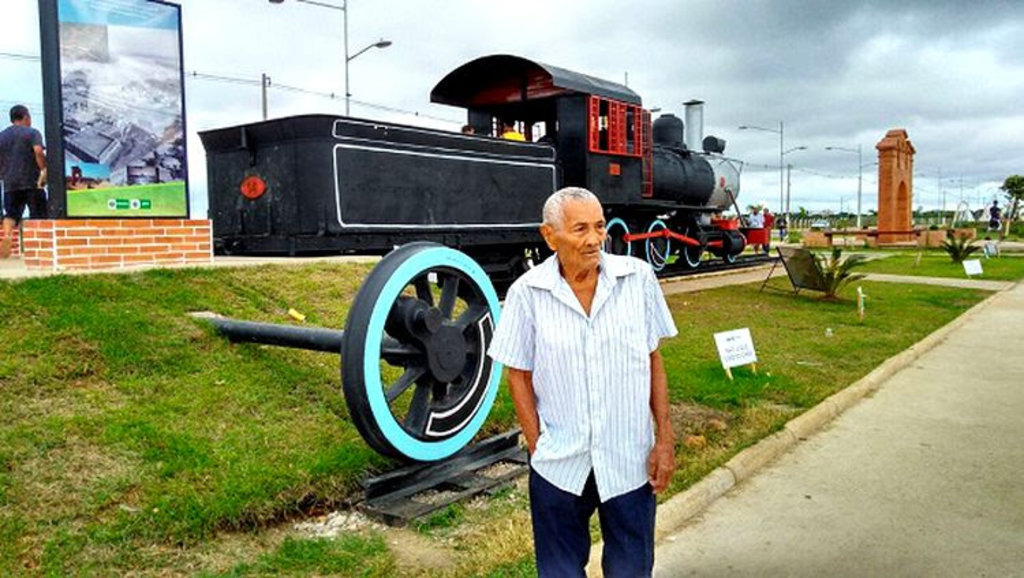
(694, 124)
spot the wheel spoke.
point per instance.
(422, 284)
(408, 378)
(471, 316)
(416, 419)
(397, 353)
(449, 291)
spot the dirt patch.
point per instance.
(690, 419)
(417, 554)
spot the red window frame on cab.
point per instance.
(622, 129)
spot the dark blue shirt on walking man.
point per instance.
(23, 171)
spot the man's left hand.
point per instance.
(661, 464)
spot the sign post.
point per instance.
(736, 348)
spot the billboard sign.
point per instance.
(121, 106)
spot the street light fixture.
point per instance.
(860, 173)
(344, 9)
(782, 153)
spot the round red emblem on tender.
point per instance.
(253, 187)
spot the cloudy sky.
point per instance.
(836, 73)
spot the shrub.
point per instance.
(959, 247)
(836, 271)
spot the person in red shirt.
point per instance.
(769, 223)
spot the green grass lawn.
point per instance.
(165, 200)
(934, 263)
(135, 441)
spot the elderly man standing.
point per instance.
(579, 335)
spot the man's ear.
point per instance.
(548, 232)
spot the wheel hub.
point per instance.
(446, 353)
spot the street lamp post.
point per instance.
(782, 154)
(344, 9)
(860, 173)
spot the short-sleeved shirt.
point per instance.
(513, 135)
(591, 374)
(18, 168)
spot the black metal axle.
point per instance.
(311, 338)
(308, 338)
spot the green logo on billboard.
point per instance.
(146, 204)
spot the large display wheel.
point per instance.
(657, 249)
(615, 241)
(692, 253)
(414, 370)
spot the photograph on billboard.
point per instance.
(122, 101)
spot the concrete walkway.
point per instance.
(922, 479)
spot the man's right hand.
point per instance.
(531, 443)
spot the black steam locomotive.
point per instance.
(414, 370)
(326, 184)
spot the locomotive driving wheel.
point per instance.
(657, 249)
(692, 253)
(414, 370)
(615, 242)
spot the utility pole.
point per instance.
(264, 84)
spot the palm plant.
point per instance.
(959, 247)
(835, 271)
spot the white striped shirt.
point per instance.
(591, 375)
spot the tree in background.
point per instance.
(1013, 186)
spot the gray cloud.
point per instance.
(837, 73)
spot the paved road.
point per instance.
(922, 479)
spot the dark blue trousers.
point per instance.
(561, 530)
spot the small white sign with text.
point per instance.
(972, 267)
(735, 348)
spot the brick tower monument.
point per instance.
(895, 186)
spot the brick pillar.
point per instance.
(895, 186)
(95, 244)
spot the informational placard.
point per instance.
(735, 348)
(972, 267)
(119, 98)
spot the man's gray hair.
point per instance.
(554, 207)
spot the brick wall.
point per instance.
(115, 243)
(15, 242)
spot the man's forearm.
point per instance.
(521, 387)
(40, 158)
(659, 401)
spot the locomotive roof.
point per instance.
(502, 79)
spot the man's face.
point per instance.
(578, 240)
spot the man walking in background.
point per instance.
(23, 171)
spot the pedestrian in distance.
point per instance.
(23, 171)
(579, 336)
(994, 216)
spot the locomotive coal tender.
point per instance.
(464, 212)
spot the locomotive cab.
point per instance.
(599, 129)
